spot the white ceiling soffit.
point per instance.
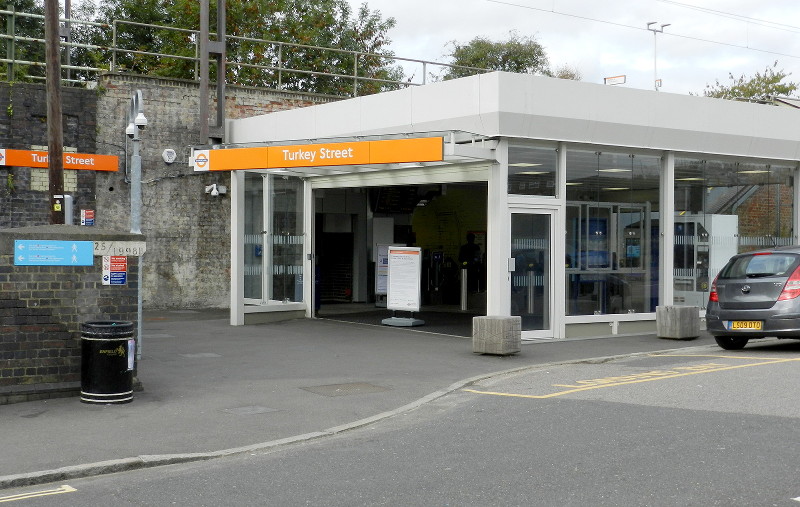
(447, 173)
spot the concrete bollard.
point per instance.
(678, 322)
(496, 335)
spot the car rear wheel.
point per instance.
(731, 342)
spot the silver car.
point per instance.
(756, 294)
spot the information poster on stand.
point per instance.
(405, 269)
(382, 270)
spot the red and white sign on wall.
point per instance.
(87, 217)
(115, 270)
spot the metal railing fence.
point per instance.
(250, 61)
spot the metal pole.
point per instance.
(136, 188)
(10, 49)
(464, 291)
(531, 292)
(203, 43)
(221, 72)
(114, 46)
(280, 65)
(140, 319)
(655, 31)
(355, 74)
(136, 165)
(67, 35)
(136, 220)
(137, 122)
(655, 61)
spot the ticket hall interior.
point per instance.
(579, 207)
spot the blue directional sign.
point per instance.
(35, 252)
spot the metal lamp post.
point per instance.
(655, 31)
(136, 123)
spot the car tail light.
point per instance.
(713, 297)
(792, 287)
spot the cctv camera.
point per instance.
(214, 191)
(129, 130)
(140, 121)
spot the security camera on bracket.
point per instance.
(140, 122)
(216, 190)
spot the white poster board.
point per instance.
(403, 287)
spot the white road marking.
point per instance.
(35, 494)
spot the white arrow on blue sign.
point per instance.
(35, 252)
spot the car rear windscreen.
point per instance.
(759, 266)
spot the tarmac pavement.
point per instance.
(211, 389)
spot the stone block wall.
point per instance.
(187, 264)
(42, 308)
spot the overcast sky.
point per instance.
(706, 39)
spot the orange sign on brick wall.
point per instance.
(91, 162)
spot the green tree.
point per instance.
(566, 72)
(519, 53)
(297, 24)
(758, 87)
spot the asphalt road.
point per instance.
(700, 426)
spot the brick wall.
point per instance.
(768, 211)
(42, 308)
(187, 263)
(23, 126)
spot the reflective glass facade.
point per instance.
(723, 208)
(612, 232)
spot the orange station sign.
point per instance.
(390, 151)
(39, 159)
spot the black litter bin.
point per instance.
(107, 356)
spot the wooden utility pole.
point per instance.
(55, 129)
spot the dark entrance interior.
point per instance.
(350, 224)
(336, 286)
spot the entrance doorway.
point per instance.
(352, 224)
(532, 275)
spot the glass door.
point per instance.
(273, 239)
(255, 236)
(531, 279)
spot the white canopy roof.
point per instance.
(503, 104)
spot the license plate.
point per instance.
(752, 325)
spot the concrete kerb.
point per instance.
(155, 460)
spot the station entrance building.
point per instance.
(590, 205)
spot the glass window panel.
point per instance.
(287, 239)
(530, 287)
(724, 208)
(612, 232)
(253, 237)
(532, 170)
